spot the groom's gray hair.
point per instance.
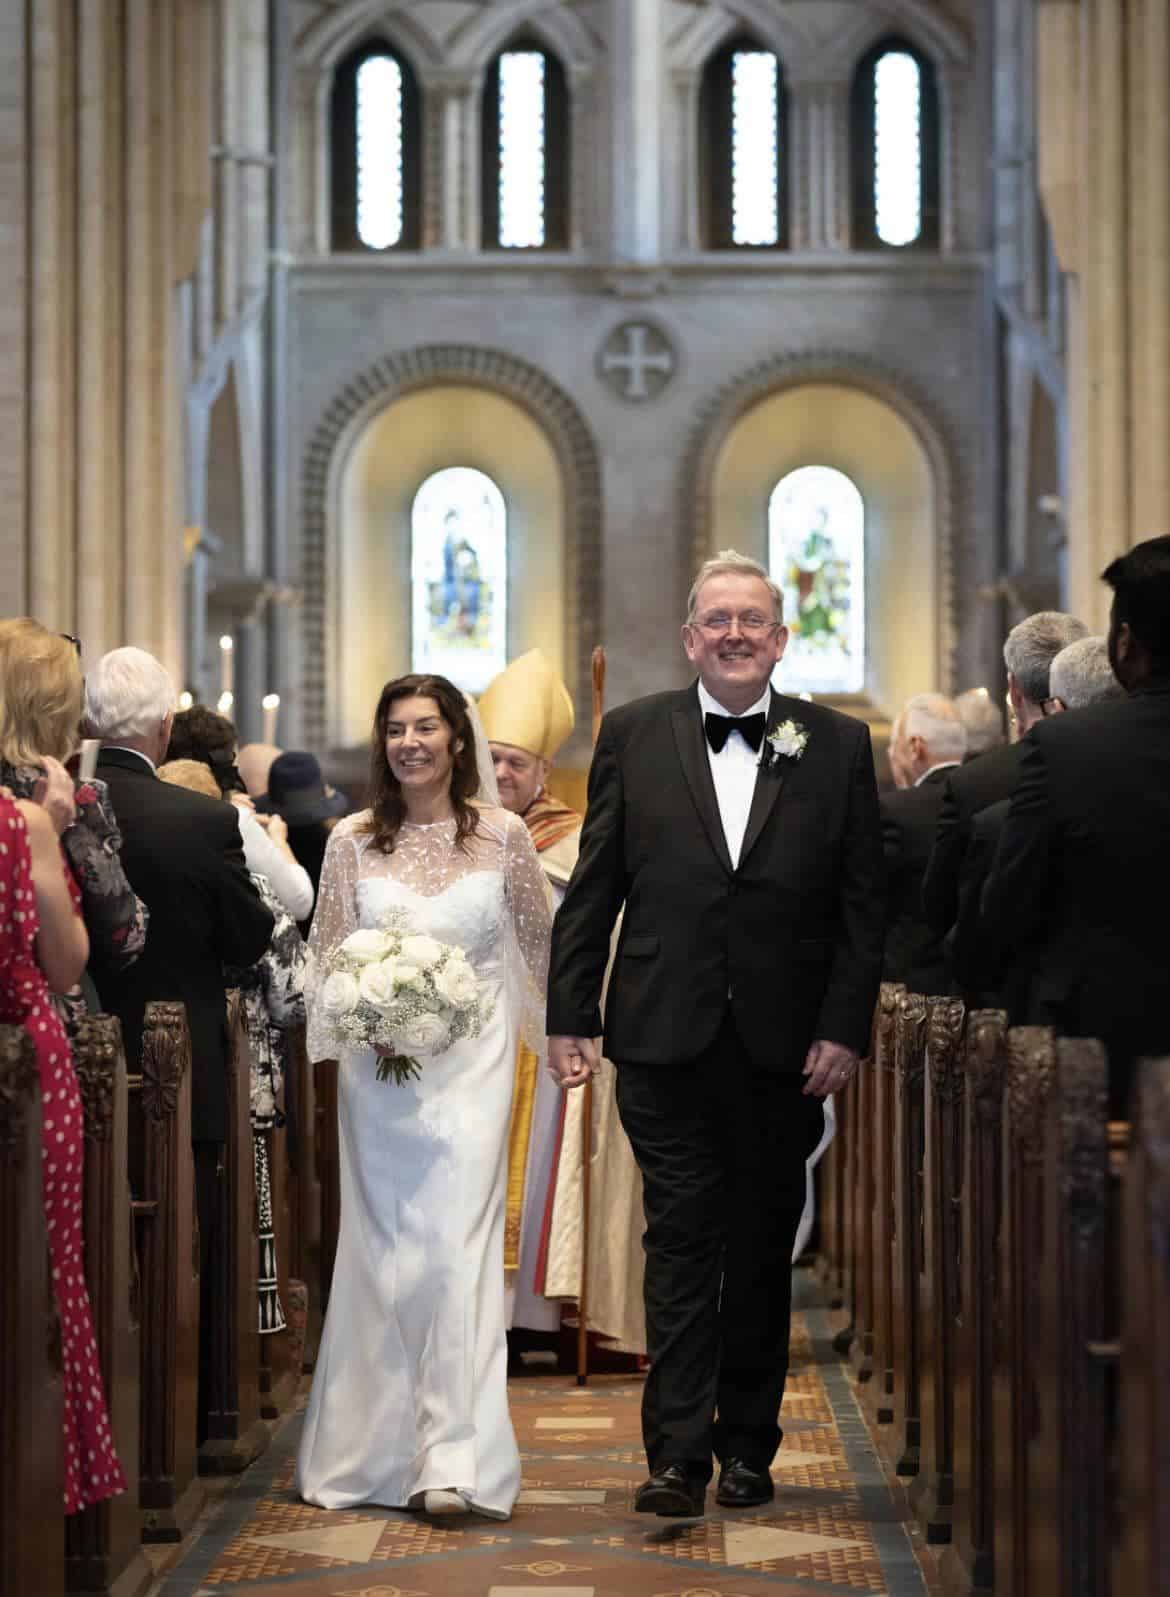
(730, 563)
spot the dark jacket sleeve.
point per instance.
(940, 885)
(847, 1009)
(244, 924)
(975, 960)
(1017, 890)
(585, 920)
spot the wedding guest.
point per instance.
(931, 742)
(204, 735)
(255, 761)
(40, 718)
(1028, 654)
(1081, 878)
(409, 1406)
(298, 794)
(43, 944)
(1081, 675)
(272, 993)
(982, 721)
(183, 855)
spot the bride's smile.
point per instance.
(420, 748)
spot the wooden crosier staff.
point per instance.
(598, 667)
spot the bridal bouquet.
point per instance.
(389, 987)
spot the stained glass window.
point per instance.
(379, 152)
(522, 149)
(755, 199)
(459, 577)
(897, 154)
(816, 552)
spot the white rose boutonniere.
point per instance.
(787, 741)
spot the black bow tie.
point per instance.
(719, 727)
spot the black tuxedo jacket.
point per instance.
(909, 818)
(793, 936)
(1081, 880)
(979, 782)
(183, 856)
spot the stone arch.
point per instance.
(557, 27)
(722, 410)
(325, 41)
(470, 365)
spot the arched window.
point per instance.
(895, 149)
(743, 149)
(816, 552)
(525, 155)
(459, 577)
(376, 154)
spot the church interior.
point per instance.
(347, 339)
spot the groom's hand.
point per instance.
(572, 1060)
(828, 1068)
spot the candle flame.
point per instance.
(226, 700)
(270, 701)
(226, 643)
(186, 700)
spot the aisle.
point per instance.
(834, 1525)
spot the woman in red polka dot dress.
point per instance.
(43, 943)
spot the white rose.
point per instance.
(456, 984)
(422, 951)
(406, 974)
(340, 994)
(376, 984)
(367, 947)
(422, 1034)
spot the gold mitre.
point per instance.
(527, 706)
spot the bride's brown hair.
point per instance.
(387, 806)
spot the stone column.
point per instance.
(689, 223)
(451, 180)
(636, 78)
(815, 166)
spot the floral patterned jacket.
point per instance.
(115, 917)
(273, 994)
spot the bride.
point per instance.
(409, 1406)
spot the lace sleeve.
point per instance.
(529, 932)
(335, 918)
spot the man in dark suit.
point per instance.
(1028, 654)
(183, 856)
(1081, 879)
(929, 741)
(740, 830)
(1081, 675)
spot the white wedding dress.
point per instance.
(410, 1388)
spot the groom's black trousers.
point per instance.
(722, 1147)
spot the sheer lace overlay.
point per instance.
(505, 933)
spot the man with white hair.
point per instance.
(1028, 654)
(183, 856)
(982, 721)
(1083, 674)
(929, 742)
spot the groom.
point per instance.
(740, 829)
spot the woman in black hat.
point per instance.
(297, 792)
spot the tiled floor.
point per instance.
(834, 1525)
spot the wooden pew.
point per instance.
(304, 1199)
(162, 1178)
(967, 1564)
(878, 1397)
(1031, 1070)
(328, 1168)
(903, 1438)
(932, 1492)
(1072, 1313)
(103, 1544)
(235, 1432)
(31, 1546)
(1141, 1561)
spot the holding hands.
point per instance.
(572, 1060)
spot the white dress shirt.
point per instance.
(734, 770)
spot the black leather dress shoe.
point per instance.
(742, 1485)
(670, 1491)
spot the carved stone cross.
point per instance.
(637, 361)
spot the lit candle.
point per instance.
(225, 663)
(226, 700)
(186, 700)
(270, 704)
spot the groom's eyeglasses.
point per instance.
(753, 624)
